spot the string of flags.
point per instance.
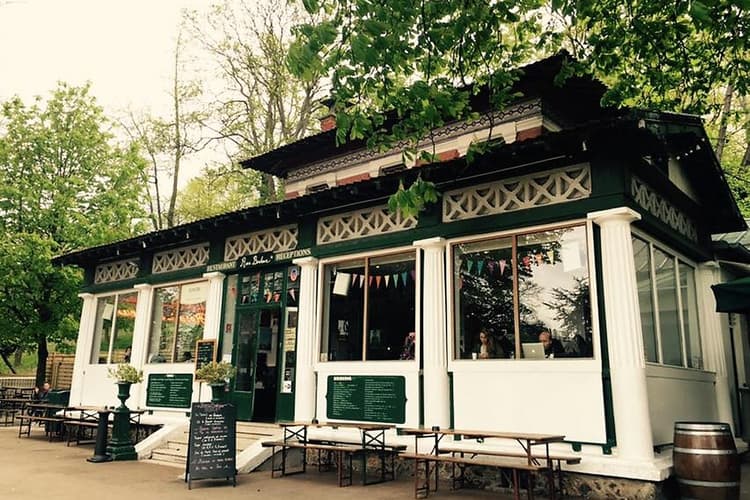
(394, 280)
(476, 266)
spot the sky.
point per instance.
(124, 48)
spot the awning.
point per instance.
(733, 296)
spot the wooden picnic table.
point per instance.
(534, 462)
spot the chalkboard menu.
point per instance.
(205, 352)
(367, 398)
(212, 444)
(169, 390)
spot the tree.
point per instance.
(64, 185)
(420, 61)
(259, 105)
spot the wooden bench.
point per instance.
(52, 424)
(556, 459)
(8, 415)
(342, 452)
(430, 462)
(387, 454)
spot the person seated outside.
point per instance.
(41, 394)
(552, 346)
(487, 348)
(409, 345)
(126, 356)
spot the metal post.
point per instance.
(100, 450)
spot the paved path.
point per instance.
(34, 469)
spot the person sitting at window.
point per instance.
(552, 347)
(126, 356)
(409, 344)
(487, 348)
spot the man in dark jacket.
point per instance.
(553, 348)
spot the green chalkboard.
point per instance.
(366, 398)
(205, 352)
(169, 390)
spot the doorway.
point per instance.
(255, 384)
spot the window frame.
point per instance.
(154, 291)
(454, 357)
(324, 308)
(678, 259)
(112, 328)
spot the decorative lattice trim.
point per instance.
(180, 258)
(278, 239)
(519, 193)
(660, 208)
(116, 271)
(361, 224)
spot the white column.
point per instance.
(624, 335)
(83, 346)
(212, 326)
(713, 339)
(142, 326)
(307, 340)
(434, 333)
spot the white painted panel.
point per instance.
(678, 394)
(543, 398)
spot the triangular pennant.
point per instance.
(502, 263)
(387, 280)
(403, 277)
(491, 266)
(369, 282)
(551, 256)
(361, 280)
(469, 264)
(377, 280)
(395, 280)
(292, 294)
(480, 266)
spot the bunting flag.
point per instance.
(387, 281)
(551, 255)
(539, 259)
(276, 296)
(361, 280)
(491, 266)
(413, 273)
(292, 294)
(395, 280)
(469, 264)
(502, 264)
(377, 281)
(403, 277)
(480, 265)
(369, 282)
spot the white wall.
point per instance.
(678, 394)
(543, 396)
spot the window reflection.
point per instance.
(113, 334)
(179, 315)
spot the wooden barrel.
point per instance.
(705, 461)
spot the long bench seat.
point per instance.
(343, 453)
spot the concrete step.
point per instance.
(166, 455)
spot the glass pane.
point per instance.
(250, 289)
(483, 297)
(229, 311)
(105, 307)
(666, 293)
(390, 303)
(690, 316)
(246, 338)
(192, 318)
(344, 308)
(163, 324)
(124, 326)
(292, 285)
(553, 289)
(642, 257)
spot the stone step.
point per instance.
(167, 455)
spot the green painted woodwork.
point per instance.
(169, 390)
(120, 446)
(366, 398)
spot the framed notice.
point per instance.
(205, 352)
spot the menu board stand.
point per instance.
(205, 352)
(212, 443)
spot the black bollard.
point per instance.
(100, 449)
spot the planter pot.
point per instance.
(217, 392)
(123, 393)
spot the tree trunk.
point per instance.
(41, 360)
(726, 109)
(7, 362)
(18, 357)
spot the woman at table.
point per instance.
(486, 348)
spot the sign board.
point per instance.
(169, 390)
(366, 398)
(205, 352)
(212, 442)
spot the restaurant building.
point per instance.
(591, 224)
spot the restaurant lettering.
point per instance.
(258, 259)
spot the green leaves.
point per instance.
(410, 202)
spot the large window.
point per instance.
(179, 315)
(668, 306)
(113, 334)
(523, 296)
(369, 309)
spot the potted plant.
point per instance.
(216, 375)
(125, 374)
